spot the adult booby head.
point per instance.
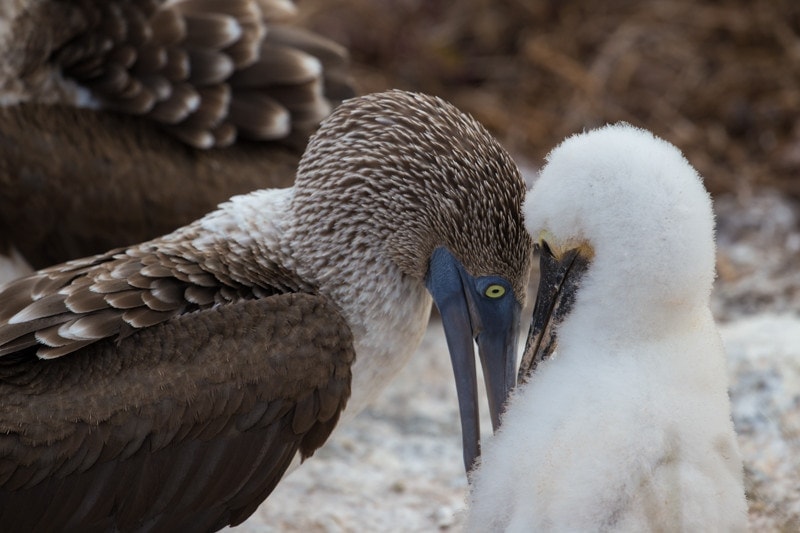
(109, 110)
(475, 271)
(396, 193)
(622, 419)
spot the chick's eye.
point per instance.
(495, 291)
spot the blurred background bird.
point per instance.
(123, 120)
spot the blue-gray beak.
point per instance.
(484, 309)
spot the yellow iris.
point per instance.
(495, 291)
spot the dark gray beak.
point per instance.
(486, 310)
(558, 283)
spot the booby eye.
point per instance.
(494, 291)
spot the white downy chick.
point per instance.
(627, 427)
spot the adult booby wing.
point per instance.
(199, 416)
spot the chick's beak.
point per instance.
(558, 283)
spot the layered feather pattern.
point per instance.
(209, 71)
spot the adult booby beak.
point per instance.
(484, 309)
(559, 277)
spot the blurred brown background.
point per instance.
(719, 79)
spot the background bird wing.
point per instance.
(187, 425)
(208, 72)
(75, 182)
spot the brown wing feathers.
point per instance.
(201, 414)
(208, 70)
(70, 306)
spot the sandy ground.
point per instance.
(398, 467)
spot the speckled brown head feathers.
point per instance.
(208, 71)
(416, 173)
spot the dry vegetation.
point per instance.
(719, 79)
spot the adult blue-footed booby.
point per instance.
(107, 108)
(627, 427)
(176, 379)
